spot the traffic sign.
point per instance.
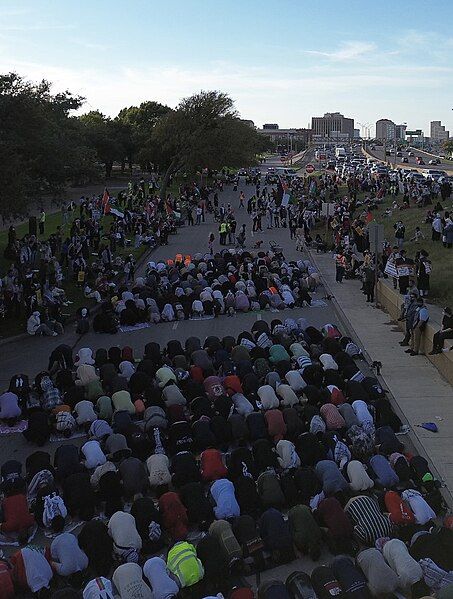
(376, 234)
(327, 209)
(417, 132)
(310, 168)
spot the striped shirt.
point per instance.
(369, 523)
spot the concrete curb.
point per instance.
(418, 445)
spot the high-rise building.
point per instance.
(323, 126)
(295, 138)
(401, 131)
(438, 132)
(385, 129)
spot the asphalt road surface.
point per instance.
(446, 165)
(29, 356)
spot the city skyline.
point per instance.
(282, 65)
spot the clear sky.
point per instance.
(282, 61)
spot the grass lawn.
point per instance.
(12, 326)
(441, 279)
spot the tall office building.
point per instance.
(438, 132)
(332, 122)
(385, 130)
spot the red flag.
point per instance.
(105, 202)
(369, 217)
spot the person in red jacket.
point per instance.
(276, 426)
(6, 582)
(212, 466)
(400, 512)
(232, 384)
(17, 520)
(174, 516)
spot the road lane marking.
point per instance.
(258, 317)
(175, 325)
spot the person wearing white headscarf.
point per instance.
(85, 374)
(162, 582)
(197, 308)
(358, 477)
(123, 530)
(287, 296)
(158, 466)
(295, 380)
(218, 297)
(268, 398)
(168, 314)
(287, 395)
(328, 363)
(84, 356)
(287, 456)
(127, 369)
(154, 314)
(206, 295)
(361, 411)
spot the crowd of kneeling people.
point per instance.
(206, 462)
(208, 286)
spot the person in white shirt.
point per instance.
(67, 557)
(94, 456)
(127, 543)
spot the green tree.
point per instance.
(40, 143)
(102, 134)
(139, 123)
(204, 132)
(448, 146)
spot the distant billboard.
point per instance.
(414, 133)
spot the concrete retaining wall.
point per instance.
(390, 300)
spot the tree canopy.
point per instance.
(44, 146)
(204, 131)
(41, 146)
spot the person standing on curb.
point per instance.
(42, 222)
(211, 239)
(409, 315)
(421, 317)
(340, 263)
(368, 282)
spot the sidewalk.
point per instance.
(420, 393)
